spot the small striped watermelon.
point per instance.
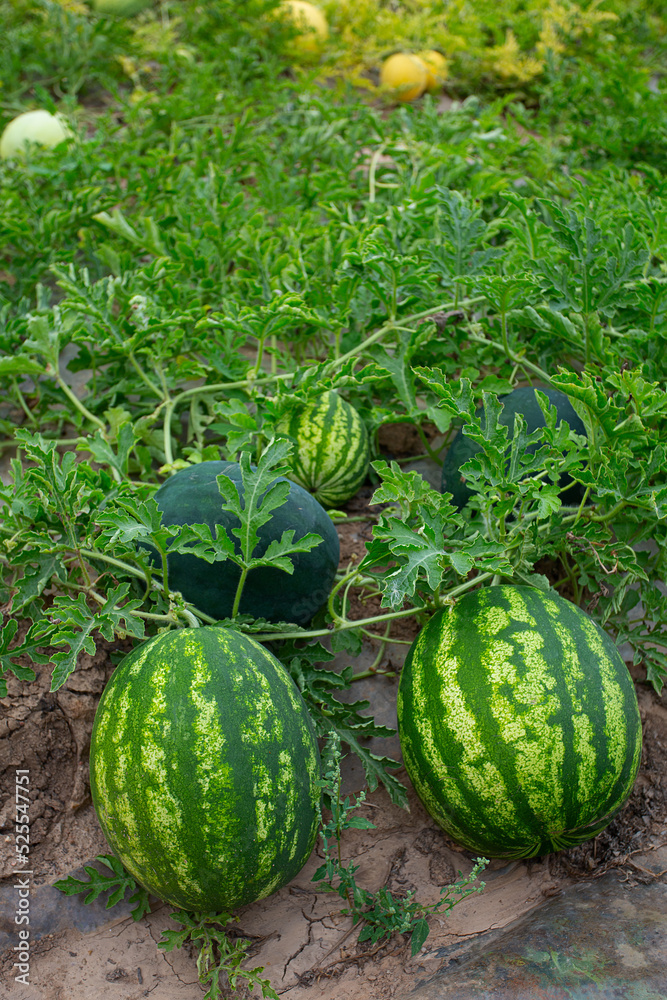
(204, 768)
(332, 450)
(519, 722)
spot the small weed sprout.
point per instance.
(382, 913)
(218, 954)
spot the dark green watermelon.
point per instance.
(521, 401)
(192, 497)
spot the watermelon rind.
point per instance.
(524, 401)
(519, 722)
(191, 496)
(332, 449)
(204, 769)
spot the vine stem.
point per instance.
(349, 575)
(383, 639)
(166, 423)
(132, 571)
(346, 592)
(365, 674)
(133, 613)
(374, 637)
(582, 504)
(24, 406)
(468, 585)
(189, 617)
(334, 362)
(343, 625)
(503, 332)
(126, 567)
(260, 355)
(151, 617)
(359, 623)
(170, 403)
(166, 434)
(76, 402)
(375, 159)
(143, 376)
(433, 455)
(603, 518)
(239, 591)
(521, 362)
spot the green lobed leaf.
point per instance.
(117, 884)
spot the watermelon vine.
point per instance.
(217, 254)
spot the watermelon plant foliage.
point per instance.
(219, 955)
(117, 884)
(382, 914)
(175, 286)
(80, 517)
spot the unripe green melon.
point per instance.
(192, 497)
(332, 450)
(39, 127)
(521, 401)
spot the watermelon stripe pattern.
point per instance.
(519, 722)
(332, 450)
(204, 769)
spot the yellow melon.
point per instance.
(39, 127)
(404, 75)
(311, 22)
(436, 69)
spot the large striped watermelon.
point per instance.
(518, 722)
(204, 769)
(332, 450)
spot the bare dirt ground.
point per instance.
(309, 950)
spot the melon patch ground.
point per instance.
(308, 949)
